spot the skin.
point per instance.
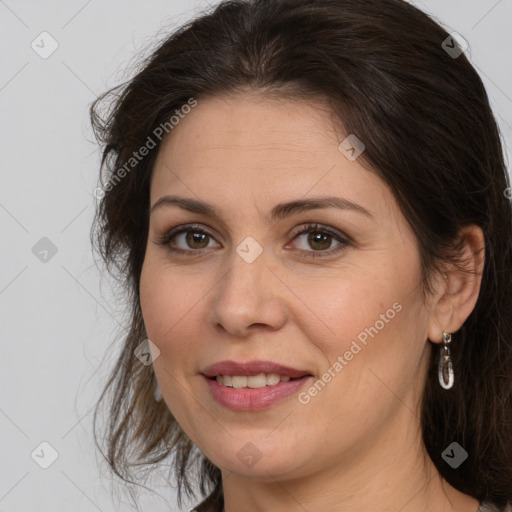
(358, 442)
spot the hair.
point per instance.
(430, 134)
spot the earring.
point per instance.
(157, 394)
(445, 368)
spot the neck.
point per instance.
(393, 473)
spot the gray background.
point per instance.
(57, 320)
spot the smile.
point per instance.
(254, 381)
(246, 398)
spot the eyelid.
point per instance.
(343, 239)
(312, 226)
(167, 237)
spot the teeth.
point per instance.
(257, 381)
(254, 381)
(239, 382)
(273, 379)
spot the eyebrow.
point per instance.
(278, 212)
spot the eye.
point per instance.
(320, 239)
(192, 239)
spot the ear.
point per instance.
(459, 288)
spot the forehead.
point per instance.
(252, 124)
(249, 148)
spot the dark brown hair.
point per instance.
(425, 119)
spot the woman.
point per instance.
(307, 202)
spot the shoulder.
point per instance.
(488, 507)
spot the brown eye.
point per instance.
(195, 237)
(319, 240)
(186, 239)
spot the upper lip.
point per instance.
(252, 368)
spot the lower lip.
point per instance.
(248, 399)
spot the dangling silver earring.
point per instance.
(445, 369)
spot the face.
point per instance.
(331, 291)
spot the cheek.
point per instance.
(161, 301)
(373, 327)
(351, 307)
(171, 303)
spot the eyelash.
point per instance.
(309, 228)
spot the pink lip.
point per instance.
(247, 399)
(252, 368)
(253, 399)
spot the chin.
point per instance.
(258, 460)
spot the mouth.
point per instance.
(254, 385)
(253, 373)
(258, 381)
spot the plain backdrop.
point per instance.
(57, 319)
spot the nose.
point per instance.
(250, 296)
